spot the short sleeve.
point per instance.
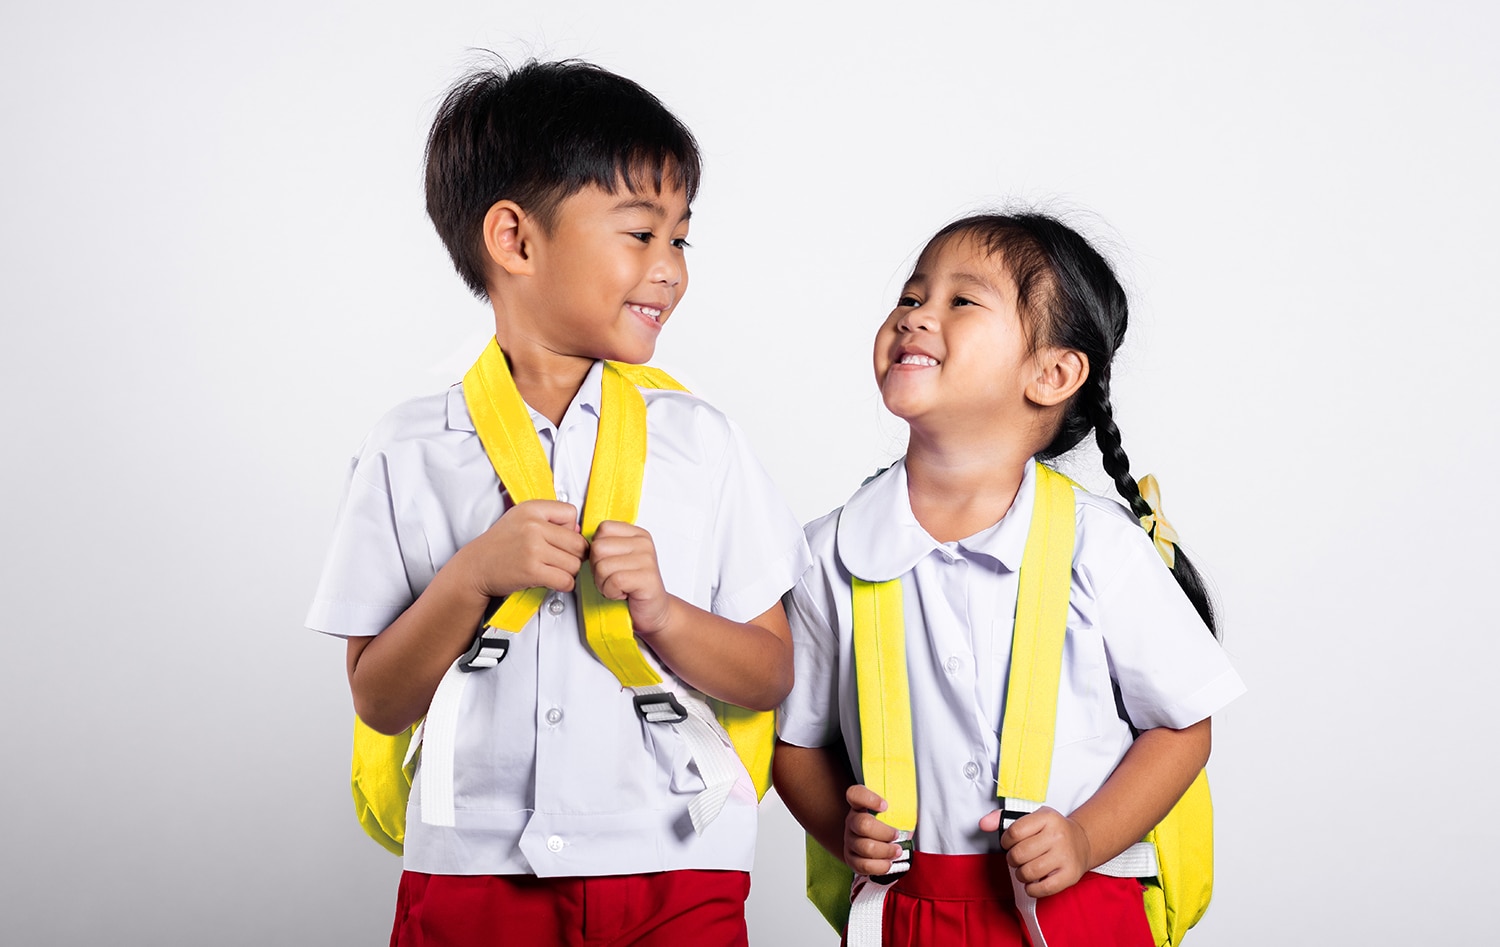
(364, 586)
(1170, 670)
(757, 544)
(810, 714)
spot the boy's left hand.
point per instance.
(623, 557)
(1048, 850)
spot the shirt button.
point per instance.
(556, 606)
(562, 498)
(971, 769)
(953, 664)
(554, 716)
(555, 844)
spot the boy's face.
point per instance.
(610, 273)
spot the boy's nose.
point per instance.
(915, 318)
(669, 268)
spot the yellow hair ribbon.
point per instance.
(1155, 523)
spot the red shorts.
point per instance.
(663, 909)
(967, 899)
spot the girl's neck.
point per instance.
(962, 486)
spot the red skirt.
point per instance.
(967, 899)
(663, 909)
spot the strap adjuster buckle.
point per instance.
(489, 649)
(660, 707)
(899, 865)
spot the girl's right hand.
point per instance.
(869, 844)
(535, 543)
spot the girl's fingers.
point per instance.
(862, 798)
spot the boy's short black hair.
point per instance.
(537, 134)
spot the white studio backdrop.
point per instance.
(216, 274)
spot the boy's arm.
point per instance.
(743, 663)
(1051, 852)
(393, 675)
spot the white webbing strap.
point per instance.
(1010, 811)
(438, 736)
(867, 909)
(1137, 861)
(708, 746)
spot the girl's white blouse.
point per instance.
(1135, 646)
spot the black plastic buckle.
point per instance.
(904, 861)
(487, 651)
(656, 708)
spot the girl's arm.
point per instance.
(1050, 852)
(818, 788)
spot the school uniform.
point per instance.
(555, 774)
(1132, 637)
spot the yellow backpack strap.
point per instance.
(888, 761)
(753, 733)
(1046, 581)
(615, 494)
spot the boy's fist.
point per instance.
(536, 543)
(869, 844)
(623, 557)
(1048, 850)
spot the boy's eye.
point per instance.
(962, 301)
(680, 243)
(644, 236)
(907, 299)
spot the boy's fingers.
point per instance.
(553, 511)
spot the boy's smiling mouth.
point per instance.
(652, 313)
(925, 361)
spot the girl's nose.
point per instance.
(914, 319)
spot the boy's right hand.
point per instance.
(535, 543)
(869, 844)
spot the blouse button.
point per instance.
(556, 606)
(971, 769)
(554, 716)
(555, 844)
(953, 664)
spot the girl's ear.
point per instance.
(1060, 373)
(507, 237)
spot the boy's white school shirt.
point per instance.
(1129, 624)
(555, 774)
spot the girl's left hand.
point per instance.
(1048, 850)
(623, 557)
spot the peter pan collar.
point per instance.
(589, 395)
(879, 537)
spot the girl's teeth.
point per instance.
(918, 360)
(648, 311)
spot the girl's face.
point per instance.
(953, 354)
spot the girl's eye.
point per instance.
(908, 300)
(681, 243)
(961, 301)
(644, 236)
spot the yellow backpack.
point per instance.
(1174, 861)
(383, 766)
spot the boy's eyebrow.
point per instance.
(656, 208)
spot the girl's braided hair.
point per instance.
(1068, 296)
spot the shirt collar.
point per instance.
(879, 537)
(589, 395)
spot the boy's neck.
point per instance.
(548, 381)
(959, 486)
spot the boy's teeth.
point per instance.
(647, 311)
(918, 360)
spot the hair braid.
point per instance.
(1117, 465)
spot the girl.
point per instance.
(997, 355)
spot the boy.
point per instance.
(562, 192)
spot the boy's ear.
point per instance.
(507, 237)
(1059, 374)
